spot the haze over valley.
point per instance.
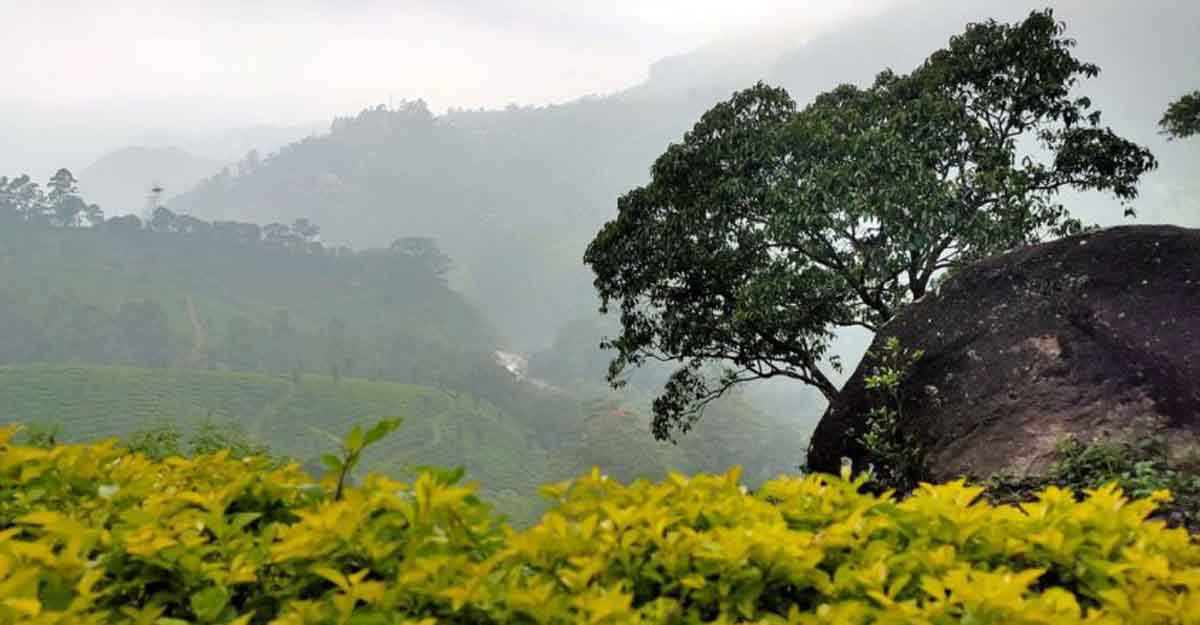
(369, 206)
(634, 312)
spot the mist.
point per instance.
(483, 143)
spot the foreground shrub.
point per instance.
(95, 534)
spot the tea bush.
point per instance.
(95, 534)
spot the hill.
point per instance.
(514, 195)
(120, 181)
(207, 299)
(300, 419)
(306, 416)
(199, 309)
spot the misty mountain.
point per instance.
(218, 296)
(512, 196)
(109, 329)
(120, 181)
(515, 194)
(37, 141)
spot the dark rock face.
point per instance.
(1095, 336)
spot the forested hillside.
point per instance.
(481, 367)
(484, 184)
(264, 329)
(219, 296)
(514, 195)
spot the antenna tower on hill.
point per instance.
(153, 201)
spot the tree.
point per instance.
(191, 225)
(237, 232)
(93, 214)
(62, 195)
(20, 197)
(1182, 119)
(306, 230)
(424, 251)
(70, 211)
(163, 220)
(769, 227)
(124, 223)
(277, 235)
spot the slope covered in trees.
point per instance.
(514, 195)
(231, 296)
(496, 189)
(265, 328)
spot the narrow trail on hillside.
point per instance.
(435, 422)
(199, 336)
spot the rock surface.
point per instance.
(1094, 336)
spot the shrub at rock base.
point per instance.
(92, 534)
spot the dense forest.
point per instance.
(231, 295)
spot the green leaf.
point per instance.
(208, 604)
(332, 463)
(382, 429)
(355, 440)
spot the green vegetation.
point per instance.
(95, 534)
(148, 298)
(1182, 118)
(155, 409)
(494, 188)
(164, 440)
(767, 227)
(352, 448)
(896, 455)
(189, 462)
(223, 326)
(185, 410)
(1141, 467)
(317, 329)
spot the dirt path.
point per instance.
(199, 337)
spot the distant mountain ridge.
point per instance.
(121, 180)
(517, 193)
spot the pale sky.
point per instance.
(282, 61)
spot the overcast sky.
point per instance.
(283, 61)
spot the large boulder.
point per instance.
(1095, 336)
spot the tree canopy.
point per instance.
(1182, 118)
(58, 204)
(770, 226)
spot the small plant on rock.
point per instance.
(895, 454)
